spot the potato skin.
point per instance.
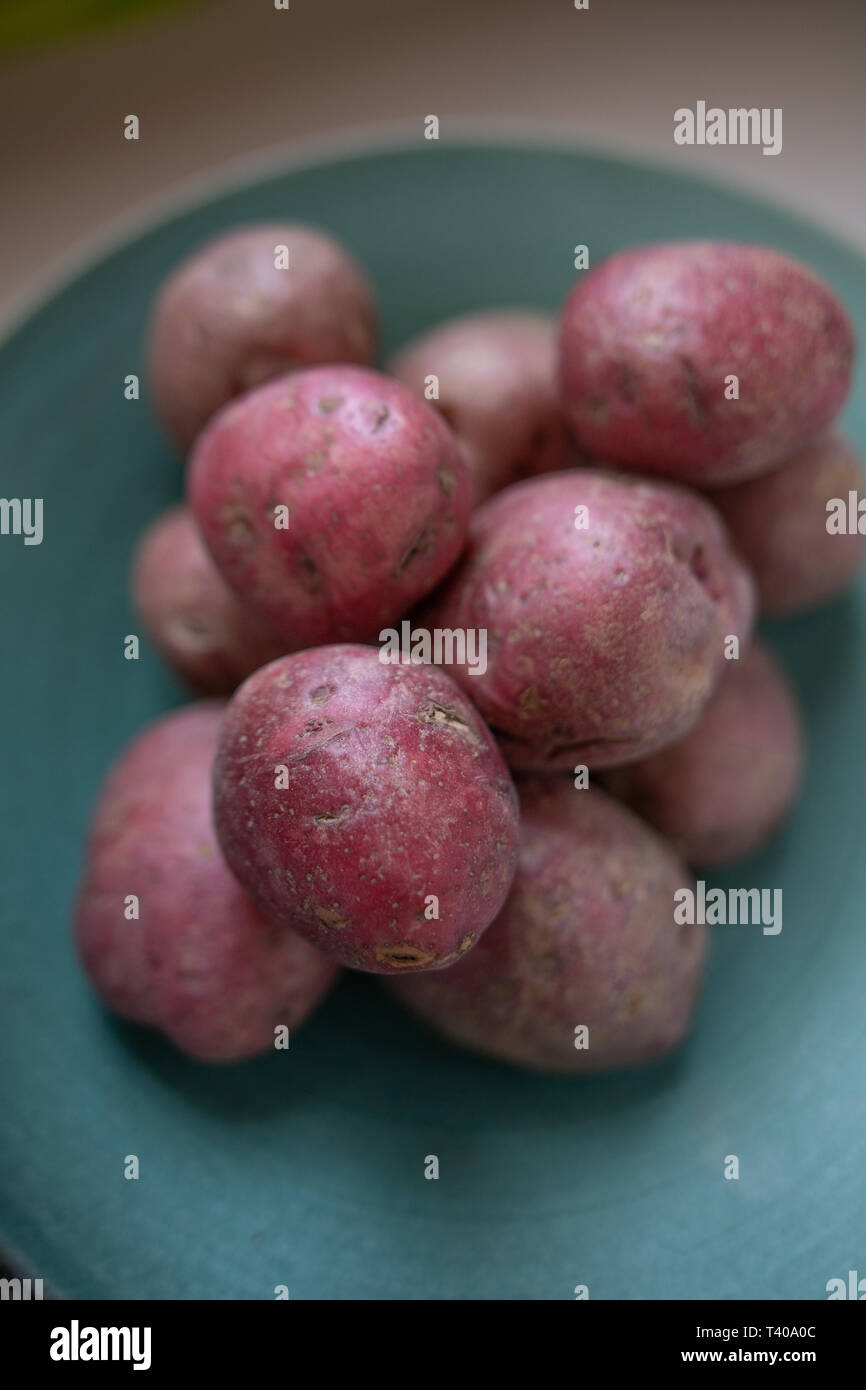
(378, 496)
(202, 630)
(395, 791)
(586, 936)
(201, 964)
(718, 793)
(778, 522)
(498, 390)
(228, 319)
(649, 336)
(603, 643)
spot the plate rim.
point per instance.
(355, 142)
(185, 196)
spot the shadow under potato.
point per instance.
(361, 1051)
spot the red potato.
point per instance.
(778, 522)
(649, 339)
(375, 490)
(603, 643)
(230, 317)
(586, 939)
(200, 963)
(498, 390)
(196, 622)
(366, 806)
(720, 792)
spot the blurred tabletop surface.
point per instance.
(217, 81)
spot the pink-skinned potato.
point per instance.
(586, 941)
(604, 638)
(650, 338)
(331, 500)
(498, 389)
(230, 317)
(194, 619)
(779, 523)
(200, 962)
(366, 806)
(721, 791)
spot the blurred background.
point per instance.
(217, 81)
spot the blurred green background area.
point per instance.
(26, 24)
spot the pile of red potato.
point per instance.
(579, 521)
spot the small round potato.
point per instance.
(496, 378)
(584, 969)
(200, 627)
(366, 806)
(606, 601)
(234, 314)
(721, 791)
(705, 361)
(331, 499)
(779, 522)
(166, 935)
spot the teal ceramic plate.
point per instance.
(306, 1169)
